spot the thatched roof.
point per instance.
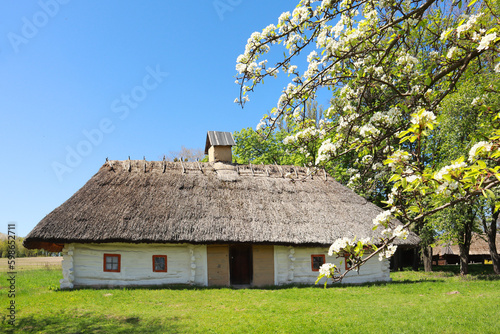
(478, 246)
(175, 202)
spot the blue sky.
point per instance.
(115, 79)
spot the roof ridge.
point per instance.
(295, 173)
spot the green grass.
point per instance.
(414, 302)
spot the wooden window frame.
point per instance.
(119, 263)
(346, 260)
(160, 256)
(312, 260)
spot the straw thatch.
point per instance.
(478, 246)
(176, 202)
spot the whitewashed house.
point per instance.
(215, 224)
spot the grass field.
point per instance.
(25, 263)
(415, 302)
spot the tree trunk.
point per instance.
(464, 240)
(415, 259)
(464, 258)
(492, 234)
(427, 258)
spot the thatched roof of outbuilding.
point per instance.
(478, 246)
(181, 202)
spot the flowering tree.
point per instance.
(389, 64)
(256, 146)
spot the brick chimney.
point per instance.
(218, 146)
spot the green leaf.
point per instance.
(471, 3)
(404, 139)
(490, 193)
(447, 177)
(414, 208)
(395, 177)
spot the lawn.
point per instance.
(415, 302)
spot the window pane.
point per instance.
(111, 262)
(317, 262)
(159, 263)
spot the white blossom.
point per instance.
(467, 25)
(387, 232)
(311, 56)
(445, 33)
(396, 157)
(368, 129)
(299, 15)
(337, 29)
(400, 232)
(423, 116)
(478, 147)
(412, 178)
(269, 30)
(382, 218)
(326, 150)
(338, 245)
(261, 124)
(451, 52)
(366, 159)
(326, 269)
(407, 60)
(476, 101)
(448, 169)
(486, 40)
(387, 253)
(365, 241)
(443, 189)
(283, 18)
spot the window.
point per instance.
(348, 263)
(317, 261)
(160, 263)
(112, 262)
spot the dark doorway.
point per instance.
(240, 264)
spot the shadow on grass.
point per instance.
(476, 271)
(86, 323)
(438, 275)
(267, 287)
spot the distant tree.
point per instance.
(286, 145)
(490, 223)
(186, 154)
(463, 122)
(4, 248)
(458, 223)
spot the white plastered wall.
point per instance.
(293, 265)
(186, 264)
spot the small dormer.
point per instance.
(218, 146)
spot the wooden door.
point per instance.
(263, 265)
(218, 265)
